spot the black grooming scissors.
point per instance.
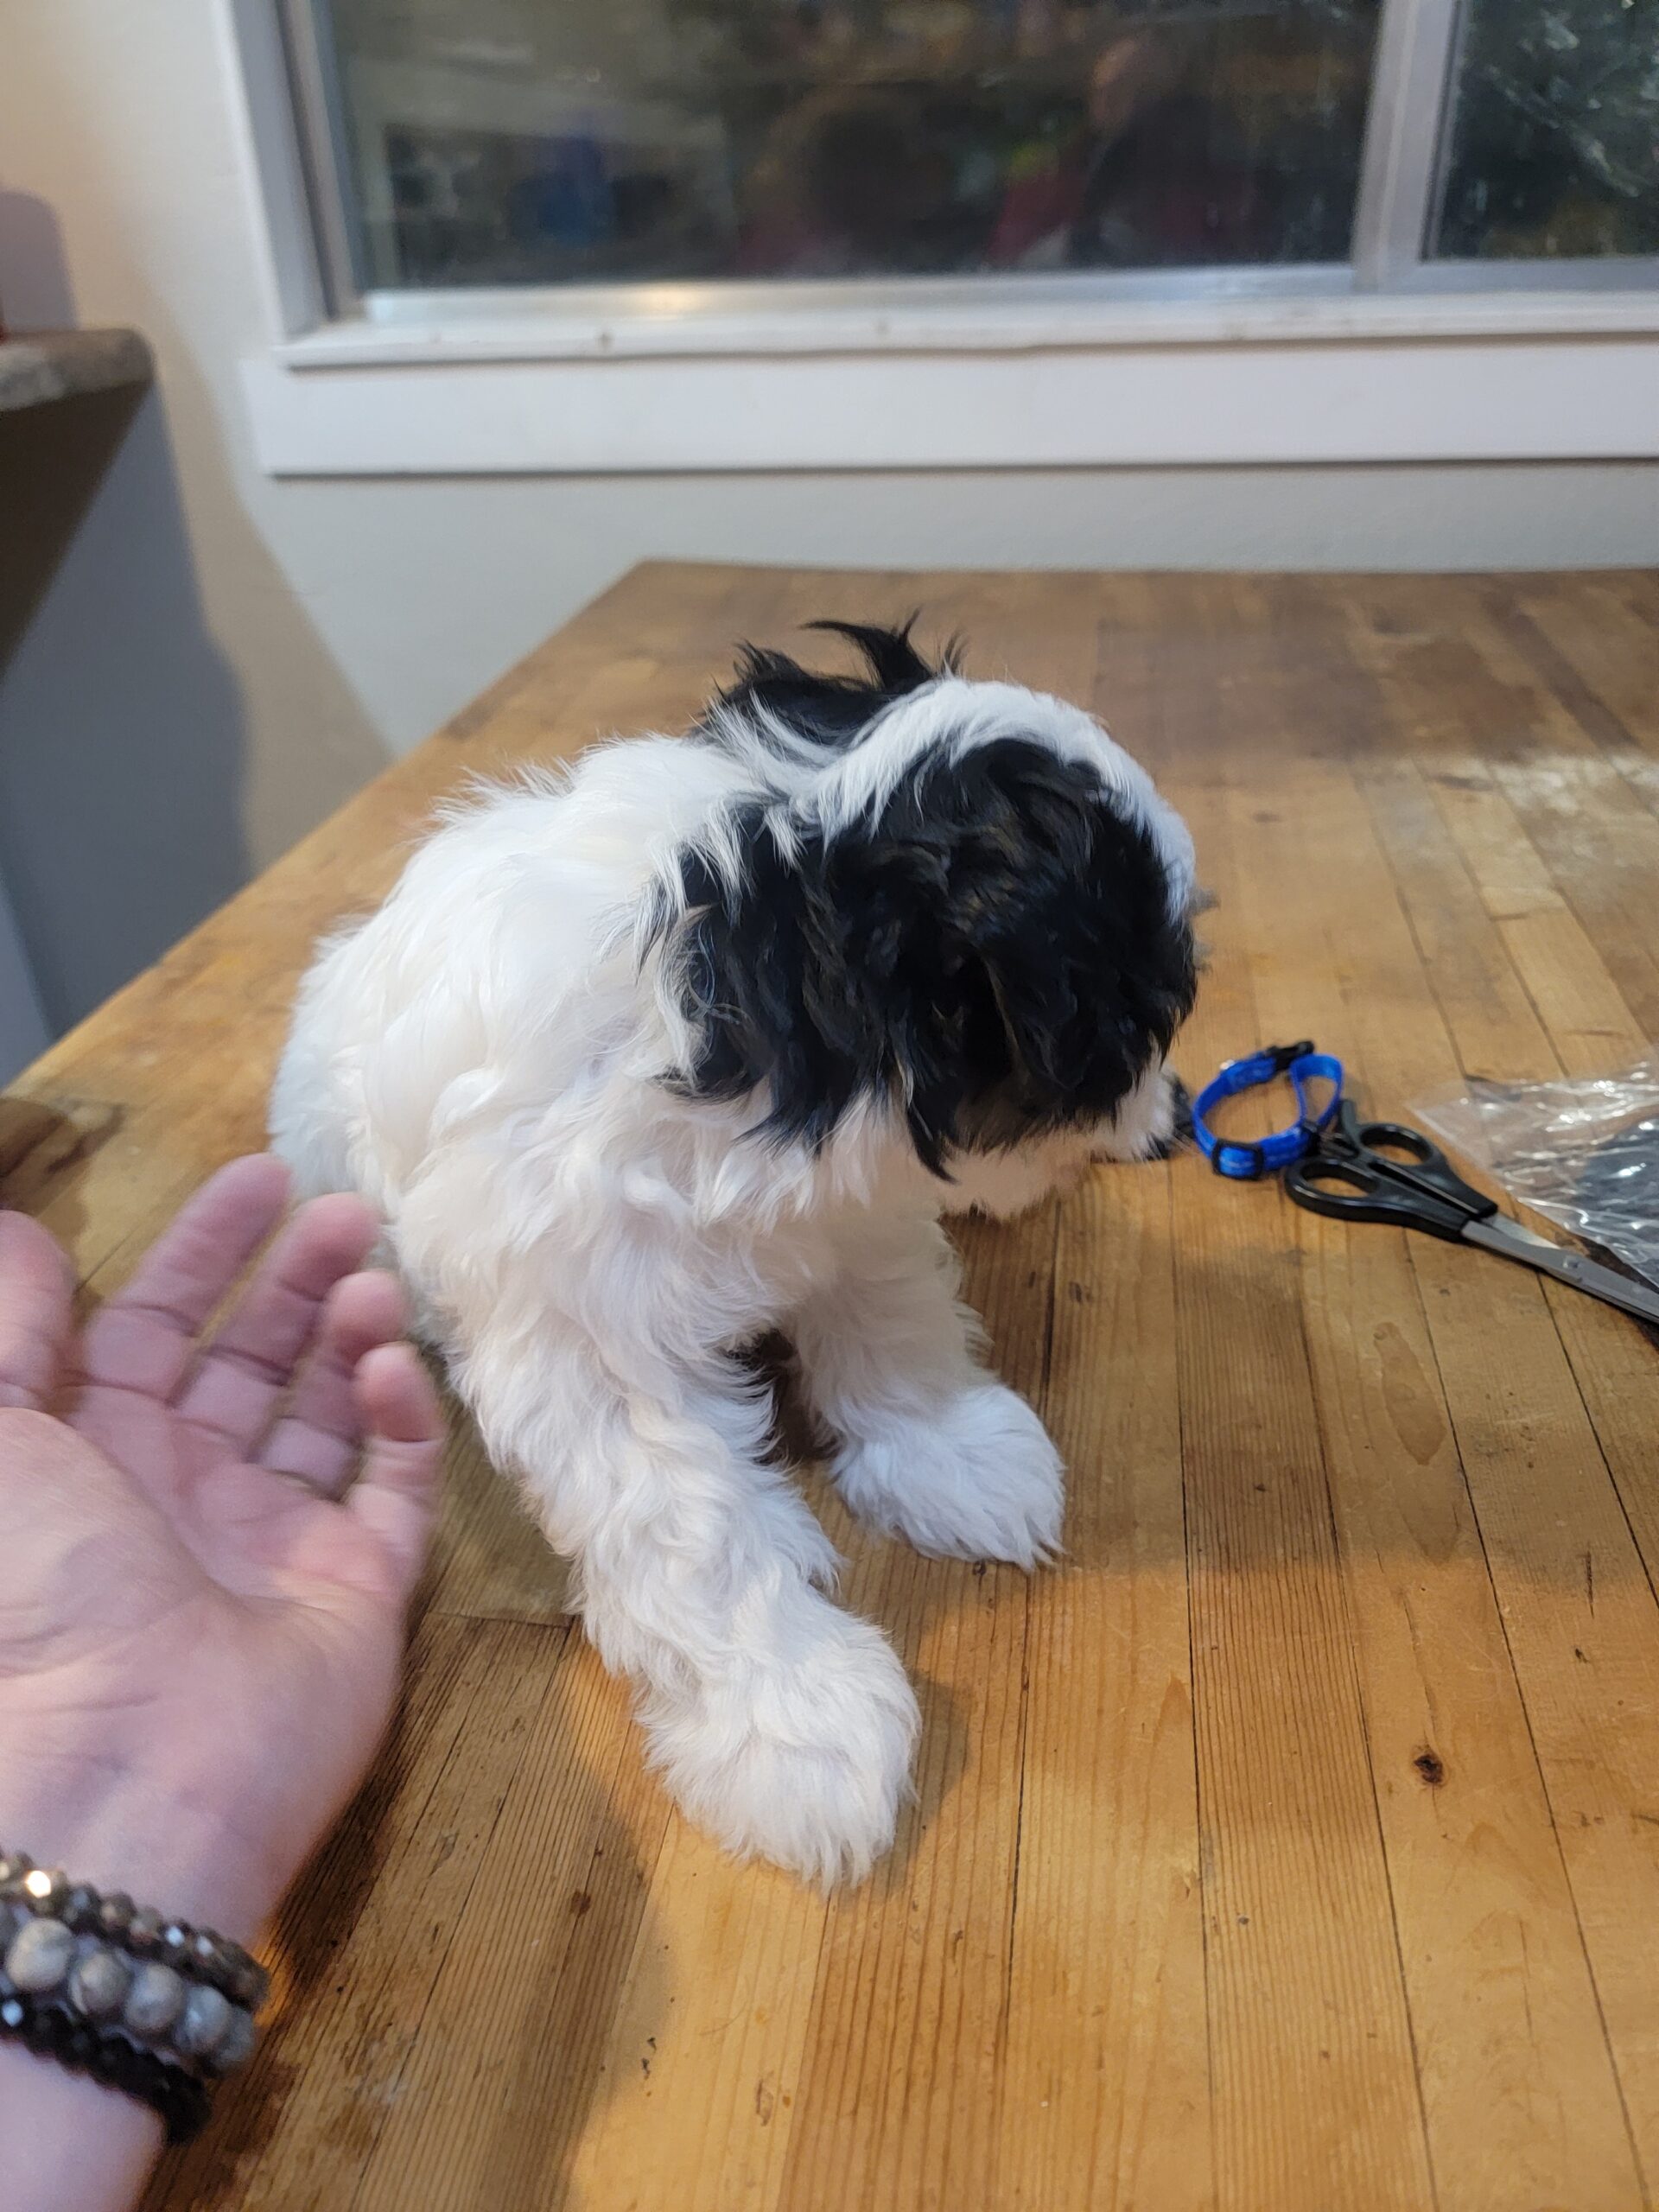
(1383, 1171)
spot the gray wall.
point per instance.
(221, 657)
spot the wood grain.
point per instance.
(1294, 1845)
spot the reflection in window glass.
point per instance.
(1553, 147)
(521, 142)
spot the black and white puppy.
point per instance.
(698, 1042)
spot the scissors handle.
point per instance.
(1357, 1174)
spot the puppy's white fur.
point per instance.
(482, 1059)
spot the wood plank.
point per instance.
(703, 2069)
(905, 2044)
(1465, 961)
(1494, 1968)
(1316, 2097)
(498, 2082)
(1578, 1605)
(1446, 699)
(1600, 656)
(1586, 1645)
(1107, 2098)
(1586, 820)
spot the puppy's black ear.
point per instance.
(1060, 970)
(991, 953)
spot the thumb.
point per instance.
(35, 1281)
(396, 1493)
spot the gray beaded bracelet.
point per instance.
(185, 1993)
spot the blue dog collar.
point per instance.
(1243, 1163)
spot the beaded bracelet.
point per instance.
(53, 2032)
(150, 2005)
(140, 1930)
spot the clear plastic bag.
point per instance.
(1585, 1153)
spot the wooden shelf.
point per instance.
(46, 366)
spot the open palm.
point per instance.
(207, 1542)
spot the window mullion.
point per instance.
(1416, 45)
(308, 52)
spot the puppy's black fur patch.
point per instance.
(992, 950)
(832, 711)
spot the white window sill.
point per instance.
(718, 380)
(665, 321)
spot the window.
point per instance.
(467, 146)
(1554, 145)
(561, 236)
(573, 140)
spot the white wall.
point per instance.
(223, 658)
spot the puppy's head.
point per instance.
(958, 902)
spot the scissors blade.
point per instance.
(1500, 1233)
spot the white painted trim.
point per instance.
(661, 321)
(260, 103)
(1411, 88)
(1406, 399)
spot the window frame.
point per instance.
(1578, 331)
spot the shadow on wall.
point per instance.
(121, 726)
(144, 768)
(121, 744)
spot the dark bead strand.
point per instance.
(143, 1937)
(104, 2064)
(114, 1916)
(182, 2102)
(79, 1910)
(180, 2099)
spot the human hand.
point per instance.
(201, 1611)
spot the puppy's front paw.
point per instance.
(978, 1480)
(803, 1758)
(1154, 1121)
(1172, 1126)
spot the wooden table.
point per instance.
(1295, 1846)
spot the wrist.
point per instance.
(165, 1835)
(67, 2145)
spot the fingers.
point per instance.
(396, 1495)
(144, 1339)
(36, 1282)
(320, 1433)
(233, 1388)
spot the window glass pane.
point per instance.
(1553, 146)
(508, 142)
